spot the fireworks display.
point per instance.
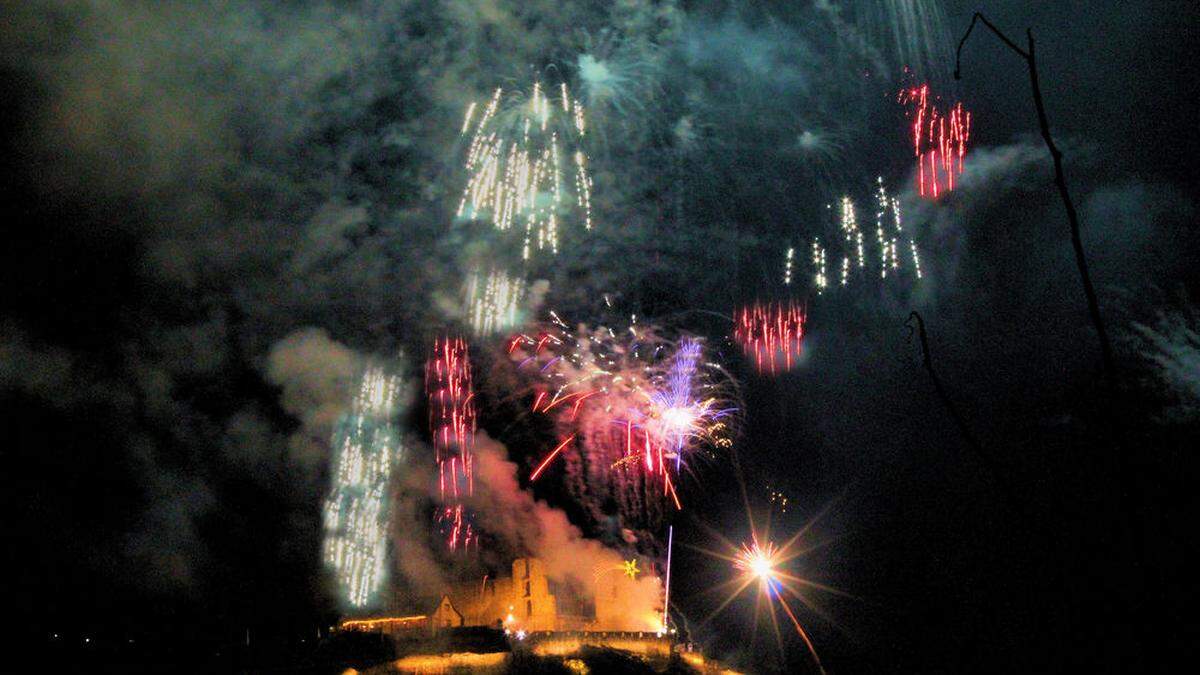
(895, 246)
(527, 170)
(452, 427)
(366, 444)
(853, 238)
(771, 334)
(630, 407)
(820, 276)
(235, 217)
(493, 299)
(939, 140)
(888, 214)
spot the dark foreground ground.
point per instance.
(463, 651)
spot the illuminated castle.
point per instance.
(523, 602)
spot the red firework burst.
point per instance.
(452, 426)
(772, 334)
(939, 139)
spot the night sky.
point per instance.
(217, 212)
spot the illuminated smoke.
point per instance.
(366, 446)
(527, 170)
(526, 526)
(452, 428)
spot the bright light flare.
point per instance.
(761, 563)
(758, 561)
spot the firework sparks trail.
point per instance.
(452, 426)
(518, 153)
(771, 334)
(939, 140)
(631, 405)
(852, 242)
(366, 444)
(891, 240)
(493, 300)
(852, 233)
(667, 586)
(820, 278)
(889, 243)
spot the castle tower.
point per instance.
(534, 608)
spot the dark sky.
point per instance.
(186, 185)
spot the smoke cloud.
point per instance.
(529, 525)
(317, 377)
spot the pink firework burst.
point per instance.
(939, 139)
(771, 334)
(630, 407)
(452, 426)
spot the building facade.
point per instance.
(520, 602)
(525, 602)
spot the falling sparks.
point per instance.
(887, 214)
(366, 444)
(493, 300)
(778, 499)
(852, 233)
(895, 245)
(771, 334)
(452, 426)
(787, 266)
(516, 166)
(939, 140)
(630, 408)
(820, 278)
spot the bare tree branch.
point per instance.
(989, 463)
(1128, 473)
(1106, 350)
